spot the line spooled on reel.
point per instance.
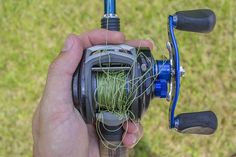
(115, 83)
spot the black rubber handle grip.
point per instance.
(197, 122)
(201, 20)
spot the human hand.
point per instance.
(58, 128)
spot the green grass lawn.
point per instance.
(32, 33)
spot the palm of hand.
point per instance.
(65, 134)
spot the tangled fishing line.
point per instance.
(111, 93)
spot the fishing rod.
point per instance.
(115, 83)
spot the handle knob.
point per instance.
(201, 20)
(196, 122)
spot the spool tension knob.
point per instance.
(162, 69)
(161, 88)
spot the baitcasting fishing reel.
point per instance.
(145, 78)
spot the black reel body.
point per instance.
(104, 58)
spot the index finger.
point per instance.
(140, 43)
(66, 63)
(101, 36)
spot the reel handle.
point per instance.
(196, 122)
(201, 20)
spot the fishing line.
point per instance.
(113, 98)
(111, 93)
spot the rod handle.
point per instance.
(116, 152)
(201, 20)
(110, 143)
(196, 123)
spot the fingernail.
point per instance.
(133, 139)
(68, 44)
(136, 129)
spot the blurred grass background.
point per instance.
(32, 33)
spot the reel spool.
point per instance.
(113, 58)
(162, 79)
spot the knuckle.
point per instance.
(53, 67)
(120, 36)
(149, 43)
(95, 31)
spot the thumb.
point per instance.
(57, 95)
(68, 59)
